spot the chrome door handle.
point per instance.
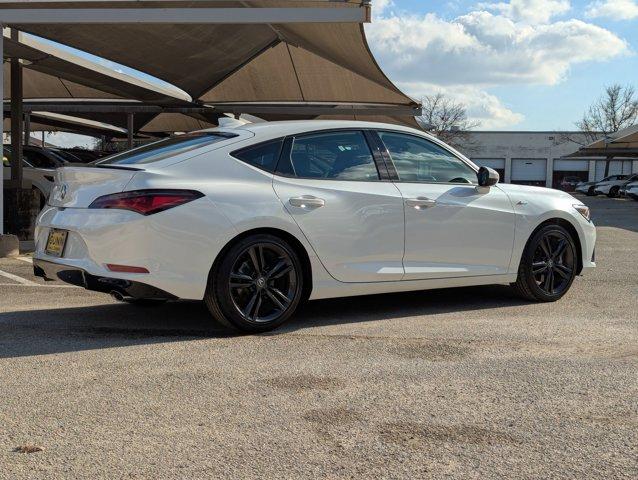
(307, 201)
(420, 203)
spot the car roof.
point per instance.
(264, 130)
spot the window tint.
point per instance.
(169, 147)
(419, 160)
(40, 160)
(262, 156)
(331, 155)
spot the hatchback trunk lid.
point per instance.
(77, 187)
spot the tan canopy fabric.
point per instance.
(287, 73)
(175, 122)
(50, 72)
(623, 143)
(239, 62)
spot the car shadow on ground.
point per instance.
(39, 332)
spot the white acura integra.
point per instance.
(256, 218)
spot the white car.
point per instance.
(39, 179)
(611, 186)
(631, 190)
(254, 219)
(589, 188)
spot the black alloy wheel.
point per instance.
(257, 286)
(262, 282)
(548, 266)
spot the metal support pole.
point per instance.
(27, 128)
(129, 129)
(16, 134)
(1, 143)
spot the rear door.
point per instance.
(335, 187)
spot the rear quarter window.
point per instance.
(166, 148)
(263, 156)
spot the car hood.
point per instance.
(535, 192)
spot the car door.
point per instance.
(453, 228)
(331, 184)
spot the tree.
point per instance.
(446, 119)
(616, 109)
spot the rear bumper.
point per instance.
(128, 289)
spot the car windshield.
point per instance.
(162, 149)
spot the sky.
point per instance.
(516, 65)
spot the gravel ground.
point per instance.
(463, 383)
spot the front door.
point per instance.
(453, 228)
(329, 183)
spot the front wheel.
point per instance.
(257, 285)
(591, 192)
(613, 193)
(548, 265)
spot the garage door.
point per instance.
(495, 163)
(571, 165)
(529, 171)
(616, 167)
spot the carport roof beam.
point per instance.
(196, 15)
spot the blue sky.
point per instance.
(517, 65)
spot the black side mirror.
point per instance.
(487, 177)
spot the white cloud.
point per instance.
(482, 106)
(614, 9)
(529, 11)
(380, 6)
(472, 53)
(485, 49)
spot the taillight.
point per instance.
(146, 202)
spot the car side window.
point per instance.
(419, 160)
(38, 159)
(263, 156)
(341, 155)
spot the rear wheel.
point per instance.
(257, 285)
(548, 265)
(613, 192)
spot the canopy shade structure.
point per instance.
(55, 122)
(298, 56)
(50, 72)
(146, 118)
(623, 143)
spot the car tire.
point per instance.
(613, 192)
(591, 192)
(548, 265)
(256, 286)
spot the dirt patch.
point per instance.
(305, 382)
(416, 435)
(331, 416)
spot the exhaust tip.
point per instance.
(119, 296)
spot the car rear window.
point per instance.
(162, 149)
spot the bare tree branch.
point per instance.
(446, 119)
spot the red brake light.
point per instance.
(146, 202)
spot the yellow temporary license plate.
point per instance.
(55, 242)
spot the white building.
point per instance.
(534, 158)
